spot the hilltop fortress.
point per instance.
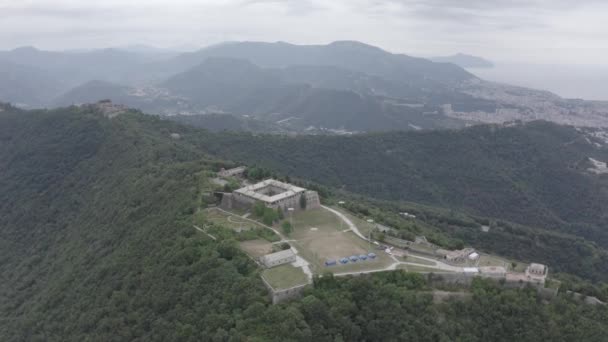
(274, 194)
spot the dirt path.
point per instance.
(348, 222)
(204, 232)
(300, 261)
(438, 264)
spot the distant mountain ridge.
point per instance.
(464, 60)
(344, 85)
(344, 54)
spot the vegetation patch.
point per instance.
(284, 276)
(256, 248)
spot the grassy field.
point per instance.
(284, 276)
(364, 226)
(319, 236)
(519, 266)
(491, 260)
(256, 248)
(229, 221)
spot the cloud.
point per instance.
(543, 30)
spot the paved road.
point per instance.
(394, 265)
(438, 264)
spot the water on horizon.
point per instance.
(569, 81)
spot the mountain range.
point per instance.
(344, 86)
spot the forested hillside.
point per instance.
(534, 174)
(96, 244)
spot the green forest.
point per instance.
(532, 174)
(97, 244)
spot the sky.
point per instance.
(535, 31)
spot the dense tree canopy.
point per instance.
(97, 244)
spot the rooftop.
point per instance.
(278, 255)
(284, 277)
(536, 269)
(257, 190)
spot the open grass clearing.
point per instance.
(284, 276)
(319, 237)
(423, 248)
(230, 221)
(519, 266)
(490, 260)
(364, 227)
(256, 248)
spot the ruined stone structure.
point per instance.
(457, 256)
(235, 172)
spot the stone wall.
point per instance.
(280, 295)
(312, 200)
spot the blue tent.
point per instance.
(363, 257)
(344, 260)
(354, 258)
(372, 255)
(330, 262)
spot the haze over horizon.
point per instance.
(539, 31)
(555, 35)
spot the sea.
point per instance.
(568, 81)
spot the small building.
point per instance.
(536, 269)
(473, 256)
(458, 255)
(278, 258)
(234, 172)
(536, 273)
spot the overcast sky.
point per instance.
(542, 31)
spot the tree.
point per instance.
(287, 228)
(303, 201)
(258, 209)
(280, 213)
(269, 216)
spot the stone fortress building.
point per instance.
(279, 258)
(273, 194)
